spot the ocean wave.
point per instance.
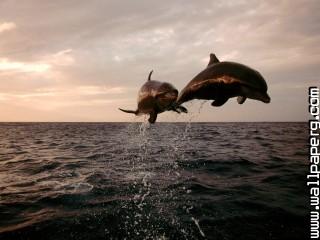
(169, 181)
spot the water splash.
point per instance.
(196, 222)
(138, 152)
(147, 161)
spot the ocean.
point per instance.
(161, 181)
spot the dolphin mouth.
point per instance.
(266, 98)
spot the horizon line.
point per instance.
(157, 122)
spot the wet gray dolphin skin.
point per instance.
(155, 97)
(223, 80)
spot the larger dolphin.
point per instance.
(220, 81)
(155, 97)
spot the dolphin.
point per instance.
(220, 81)
(155, 97)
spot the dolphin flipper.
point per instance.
(129, 111)
(241, 99)
(178, 108)
(219, 102)
(182, 109)
(153, 117)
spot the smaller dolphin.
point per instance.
(223, 80)
(156, 97)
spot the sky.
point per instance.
(81, 60)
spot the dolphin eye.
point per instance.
(169, 94)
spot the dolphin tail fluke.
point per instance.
(153, 117)
(129, 111)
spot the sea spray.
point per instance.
(145, 151)
(138, 150)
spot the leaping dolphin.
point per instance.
(223, 80)
(155, 97)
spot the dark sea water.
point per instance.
(165, 181)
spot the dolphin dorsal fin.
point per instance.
(213, 59)
(149, 77)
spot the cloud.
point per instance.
(49, 64)
(12, 66)
(61, 58)
(77, 91)
(6, 26)
(95, 90)
(105, 49)
(66, 103)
